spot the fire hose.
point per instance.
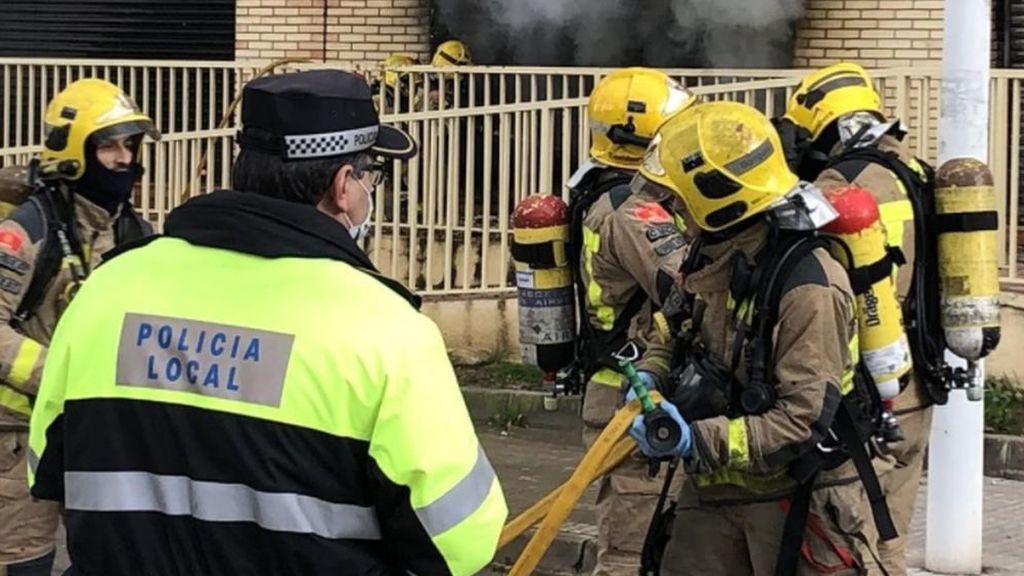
(610, 448)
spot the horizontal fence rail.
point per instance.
(488, 136)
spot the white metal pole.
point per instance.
(955, 468)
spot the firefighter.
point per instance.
(770, 357)
(255, 397)
(451, 53)
(845, 130)
(626, 253)
(441, 88)
(396, 86)
(49, 244)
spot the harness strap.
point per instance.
(863, 278)
(659, 532)
(793, 530)
(966, 222)
(541, 255)
(847, 433)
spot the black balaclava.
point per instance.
(818, 154)
(107, 188)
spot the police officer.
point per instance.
(839, 111)
(248, 395)
(49, 244)
(629, 251)
(726, 163)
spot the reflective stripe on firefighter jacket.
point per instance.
(745, 459)
(630, 243)
(246, 396)
(897, 214)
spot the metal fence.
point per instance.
(489, 136)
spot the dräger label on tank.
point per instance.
(203, 358)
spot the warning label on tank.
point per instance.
(546, 316)
(545, 298)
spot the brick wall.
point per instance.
(362, 32)
(875, 33)
(880, 34)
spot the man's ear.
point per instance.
(335, 201)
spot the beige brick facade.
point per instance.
(362, 32)
(879, 34)
(875, 33)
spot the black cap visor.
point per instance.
(393, 143)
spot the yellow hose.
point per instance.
(589, 469)
(536, 513)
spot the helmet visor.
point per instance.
(130, 128)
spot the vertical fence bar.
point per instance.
(429, 201)
(19, 107)
(469, 213)
(997, 152)
(1013, 191)
(412, 206)
(485, 236)
(33, 106)
(453, 191)
(7, 107)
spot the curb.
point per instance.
(484, 403)
(1004, 456)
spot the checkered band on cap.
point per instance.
(327, 144)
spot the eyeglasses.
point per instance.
(377, 169)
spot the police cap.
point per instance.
(317, 114)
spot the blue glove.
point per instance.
(649, 382)
(639, 433)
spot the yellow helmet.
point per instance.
(394, 61)
(452, 53)
(626, 108)
(829, 93)
(88, 108)
(725, 161)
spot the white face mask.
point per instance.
(362, 230)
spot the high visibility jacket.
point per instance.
(245, 395)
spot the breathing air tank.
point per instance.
(884, 347)
(547, 322)
(967, 226)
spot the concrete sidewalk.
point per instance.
(532, 461)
